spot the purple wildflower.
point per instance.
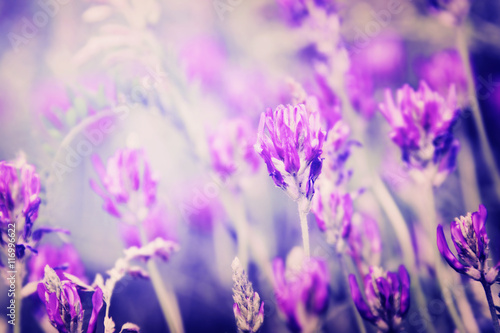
(365, 244)
(471, 242)
(301, 290)
(387, 297)
(422, 124)
(292, 148)
(63, 304)
(127, 180)
(232, 146)
(247, 307)
(63, 259)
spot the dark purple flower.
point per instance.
(422, 124)
(231, 147)
(301, 290)
(387, 297)
(291, 148)
(63, 304)
(127, 179)
(471, 242)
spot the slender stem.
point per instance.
(491, 305)
(305, 230)
(359, 320)
(474, 104)
(165, 295)
(18, 298)
(403, 235)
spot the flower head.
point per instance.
(422, 124)
(64, 259)
(127, 180)
(387, 297)
(471, 242)
(248, 309)
(301, 290)
(292, 148)
(63, 304)
(231, 147)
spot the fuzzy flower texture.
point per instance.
(248, 309)
(387, 297)
(292, 148)
(422, 124)
(471, 242)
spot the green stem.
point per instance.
(403, 235)
(491, 305)
(489, 158)
(165, 295)
(359, 320)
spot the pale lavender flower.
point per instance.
(301, 290)
(292, 148)
(128, 181)
(248, 309)
(63, 304)
(231, 148)
(471, 242)
(422, 123)
(364, 242)
(387, 297)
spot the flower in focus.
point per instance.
(63, 304)
(387, 297)
(292, 148)
(248, 309)
(422, 124)
(301, 290)
(231, 147)
(63, 259)
(471, 241)
(128, 181)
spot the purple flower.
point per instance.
(127, 180)
(291, 148)
(422, 124)
(387, 297)
(365, 244)
(61, 259)
(471, 242)
(63, 304)
(231, 147)
(301, 290)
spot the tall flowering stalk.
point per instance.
(291, 148)
(471, 242)
(422, 122)
(130, 194)
(387, 297)
(301, 290)
(247, 307)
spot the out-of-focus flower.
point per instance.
(471, 241)
(63, 260)
(387, 297)
(63, 304)
(301, 290)
(365, 244)
(422, 124)
(292, 148)
(333, 215)
(231, 148)
(247, 307)
(450, 12)
(442, 70)
(127, 180)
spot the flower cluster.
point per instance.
(231, 147)
(247, 307)
(422, 124)
(128, 181)
(301, 290)
(471, 241)
(63, 304)
(292, 148)
(387, 297)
